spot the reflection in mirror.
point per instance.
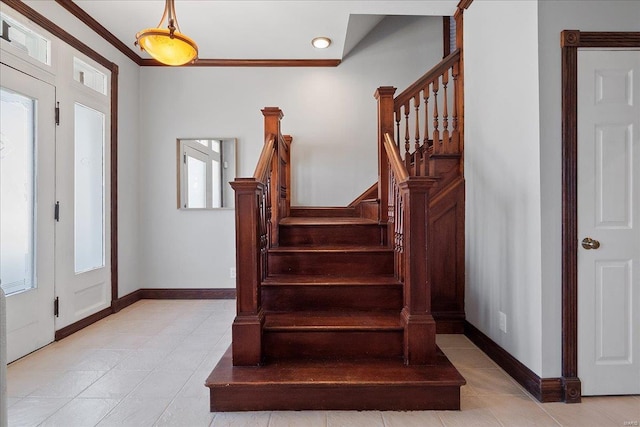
(205, 167)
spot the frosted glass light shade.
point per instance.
(176, 49)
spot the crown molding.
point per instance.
(130, 53)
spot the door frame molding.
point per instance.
(72, 41)
(571, 41)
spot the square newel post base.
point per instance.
(419, 338)
(246, 343)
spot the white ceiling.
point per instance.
(275, 29)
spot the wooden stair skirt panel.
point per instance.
(381, 384)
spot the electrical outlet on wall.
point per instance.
(502, 322)
(232, 273)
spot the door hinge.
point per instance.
(57, 113)
(56, 307)
(5, 31)
(56, 212)
(184, 158)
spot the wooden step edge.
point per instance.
(311, 372)
(328, 222)
(329, 281)
(333, 321)
(332, 328)
(330, 249)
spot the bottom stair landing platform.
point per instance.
(375, 384)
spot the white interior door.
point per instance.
(27, 199)
(609, 214)
(83, 263)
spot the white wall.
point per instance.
(128, 130)
(330, 112)
(513, 166)
(502, 170)
(553, 17)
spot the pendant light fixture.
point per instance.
(168, 46)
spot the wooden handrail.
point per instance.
(261, 202)
(430, 76)
(395, 161)
(263, 170)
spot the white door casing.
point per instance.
(609, 213)
(30, 323)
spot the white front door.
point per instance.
(609, 215)
(27, 200)
(83, 261)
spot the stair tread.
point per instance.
(330, 249)
(321, 221)
(351, 372)
(328, 320)
(312, 279)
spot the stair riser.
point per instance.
(332, 263)
(332, 345)
(369, 234)
(335, 212)
(309, 297)
(346, 397)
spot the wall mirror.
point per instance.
(205, 167)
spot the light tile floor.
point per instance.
(146, 366)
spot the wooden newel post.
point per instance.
(247, 326)
(419, 326)
(272, 117)
(384, 95)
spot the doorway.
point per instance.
(27, 194)
(608, 221)
(571, 41)
(56, 231)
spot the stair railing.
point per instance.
(261, 202)
(434, 98)
(427, 118)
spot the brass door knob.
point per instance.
(589, 243)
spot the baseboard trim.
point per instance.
(543, 389)
(190, 293)
(145, 293)
(126, 300)
(81, 324)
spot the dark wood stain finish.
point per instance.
(209, 62)
(130, 53)
(543, 389)
(379, 384)
(145, 293)
(571, 41)
(81, 324)
(99, 29)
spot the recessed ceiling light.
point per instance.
(321, 42)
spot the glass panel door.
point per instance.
(17, 191)
(89, 188)
(27, 200)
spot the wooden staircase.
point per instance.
(337, 307)
(332, 334)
